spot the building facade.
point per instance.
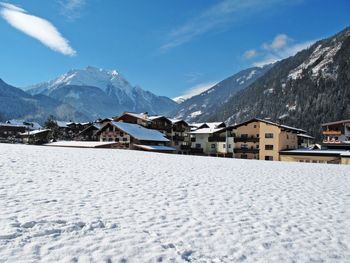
(263, 140)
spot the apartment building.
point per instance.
(263, 140)
(212, 138)
(336, 135)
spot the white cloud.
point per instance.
(282, 46)
(250, 54)
(71, 8)
(278, 42)
(195, 90)
(218, 16)
(36, 27)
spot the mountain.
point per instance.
(305, 90)
(200, 107)
(101, 93)
(15, 103)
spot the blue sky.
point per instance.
(170, 47)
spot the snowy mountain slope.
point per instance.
(100, 93)
(198, 108)
(305, 90)
(88, 205)
(15, 103)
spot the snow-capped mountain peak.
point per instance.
(90, 76)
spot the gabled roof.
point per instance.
(140, 133)
(62, 124)
(269, 122)
(155, 148)
(335, 122)
(36, 132)
(175, 121)
(142, 116)
(207, 130)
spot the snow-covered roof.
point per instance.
(80, 144)
(62, 124)
(316, 152)
(11, 125)
(269, 122)
(305, 136)
(35, 132)
(207, 130)
(139, 132)
(29, 124)
(155, 117)
(335, 122)
(155, 147)
(137, 115)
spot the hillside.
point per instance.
(200, 107)
(305, 90)
(15, 103)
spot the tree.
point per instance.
(51, 124)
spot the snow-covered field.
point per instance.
(99, 205)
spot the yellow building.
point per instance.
(316, 156)
(263, 140)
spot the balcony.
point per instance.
(331, 133)
(216, 139)
(185, 147)
(178, 138)
(247, 139)
(246, 150)
(197, 150)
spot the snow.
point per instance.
(251, 74)
(84, 205)
(326, 53)
(195, 114)
(140, 132)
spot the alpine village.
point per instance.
(253, 123)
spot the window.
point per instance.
(121, 134)
(244, 156)
(268, 135)
(254, 126)
(198, 145)
(117, 139)
(268, 147)
(244, 136)
(257, 146)
(244, 146)
(213, 146)
(229, 146)
(224, 146)
(268, 158)
(125, 139)
(257, 136)
(287, 136)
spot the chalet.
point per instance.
(134, 118)
(74, 128)
(180, 136)
(336, 135)
(263, 140)
(160, 123)
(208, 138)
(90, 133)
(35, 137)
(134, 137)
(10, 132)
